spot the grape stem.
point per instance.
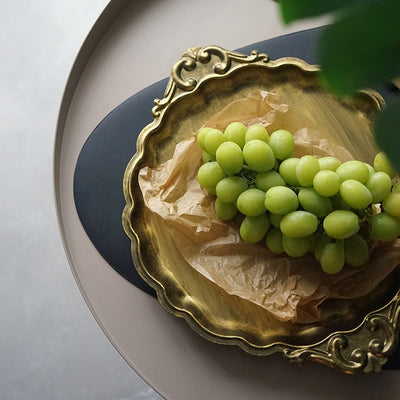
(366, 214)
(247, 174)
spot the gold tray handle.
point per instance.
(365, 348)
(202, 63)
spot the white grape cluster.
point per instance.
(299, 205)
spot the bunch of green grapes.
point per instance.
(299, 205)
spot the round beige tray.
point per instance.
(132, 45)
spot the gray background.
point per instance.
(50, 345)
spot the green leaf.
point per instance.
(292, 10)
(362, 49)
(386, 130)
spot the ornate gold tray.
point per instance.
(352, 336)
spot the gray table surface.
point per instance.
(50, 344)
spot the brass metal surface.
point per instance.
(352, 336)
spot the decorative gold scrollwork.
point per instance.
(226, 58)
(205, 63)
(365, 348)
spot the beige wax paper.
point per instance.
(290, 289)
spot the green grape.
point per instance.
(269, 179)
(210, 190)
(230, 157)
(353, 169)
(207, 157)
(287, 169)
(258, 155)
(235, 132)
(228, 189)
(341, 224)
(313, 202)
(298, 224)
(212, 140)
(384, 227)
(306, 169)
(253, 229)
(332, 257)
(257, 132)
(391, 204)
(251, 202)
(275, 220)
(209, 175)
(379, 184)
(314, 239)
(274, 241)
(355, 194)
(296, 246)
(281, 200)
(326, 183)
(370, 169)
(338, 203)
(396, 188)
(225, 211)
(328, 163)
(382, 164)
(282, 144)
(356, 251)
(320, 241)
(201, 134)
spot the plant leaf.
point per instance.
(386, 130)
(292, 10)
(361, 49)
